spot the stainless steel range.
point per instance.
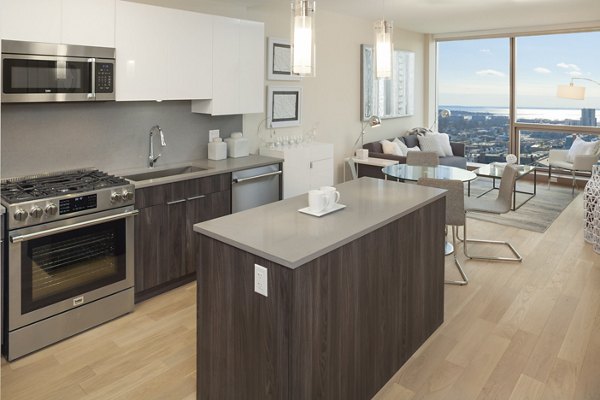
(70, 255)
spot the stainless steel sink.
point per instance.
(162, 173)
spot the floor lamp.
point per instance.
(374, 121)
(571, 91)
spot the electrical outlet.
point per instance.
(260, 280)
(213, 133)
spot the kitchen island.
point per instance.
(350, 295)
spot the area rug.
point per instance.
(536, 215)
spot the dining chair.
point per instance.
(422, 158)
(500, 205)
(455, 215)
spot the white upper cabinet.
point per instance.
(88, 22)
(189, 55)
(238, 68)
(162, 53)
(31, 20)
(83, 22)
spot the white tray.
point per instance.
(335, 208)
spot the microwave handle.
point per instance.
(92, 95)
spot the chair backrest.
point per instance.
(423, 158)
(507, 184)
(455, 198)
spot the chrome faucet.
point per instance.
(151, 159)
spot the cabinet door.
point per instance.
(189, 55)
(141, 41)
(31, 20)
(226, 59)
(149, 248)
(252, 67)
(76, 26)
(199, 209)
(176, 237)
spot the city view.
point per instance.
(485, 131)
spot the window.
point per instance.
(474, 86)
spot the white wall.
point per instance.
(331, 100)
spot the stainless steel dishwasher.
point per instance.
(255, 187)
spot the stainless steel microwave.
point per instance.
(45, 72)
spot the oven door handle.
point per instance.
(48, 232)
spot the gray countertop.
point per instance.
(279, 233)
(212, 168)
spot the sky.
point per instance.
(476, 72)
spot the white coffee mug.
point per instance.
(317, 201)
(333, 196)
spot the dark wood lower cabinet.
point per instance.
(337, 327)
(166, 247)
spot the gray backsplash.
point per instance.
(110, 136)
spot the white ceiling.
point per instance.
(445, 16)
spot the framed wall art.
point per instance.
(284, 106)
(280, 61)
(387, 98)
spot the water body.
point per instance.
(551, 114)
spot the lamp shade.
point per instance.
(374, 121)
(384, 49)
(303, 37)
(571, 92)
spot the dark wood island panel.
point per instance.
(336, 327)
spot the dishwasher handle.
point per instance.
(250, 178)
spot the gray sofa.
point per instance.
(375, 150)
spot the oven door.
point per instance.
(28, 78)
(58, 266)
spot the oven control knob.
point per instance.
(51, 209)
(127, 195)
(36, 212)
(115, 197)
(20, 214)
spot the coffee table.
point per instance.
(495, 170)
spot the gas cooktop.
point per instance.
(37, 199)
(17, 190)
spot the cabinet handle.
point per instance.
(196, 197)
(176, 202)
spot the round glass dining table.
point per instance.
(414, 172)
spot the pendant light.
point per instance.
(303, 37)
(384, 48)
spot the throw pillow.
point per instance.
(430, 143)
(444, 142)
(403, 147)
(419, 131)
(414, 148)
(390, 148)
(581, 148)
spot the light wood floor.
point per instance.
(517, 331)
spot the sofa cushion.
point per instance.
(432, 144)
(411, 140)
(401, 145)
(581, 148)
(391, 148)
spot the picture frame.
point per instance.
(391, 98)
(279, 66)
(284, 106)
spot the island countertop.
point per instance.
(279, 233)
